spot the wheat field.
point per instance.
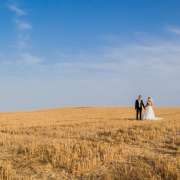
(89, 143)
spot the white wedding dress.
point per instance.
(149, 113)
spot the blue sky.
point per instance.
(57, 53)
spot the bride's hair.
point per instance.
(149, 99)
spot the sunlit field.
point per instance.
(89, 143)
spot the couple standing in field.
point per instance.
(148, 113)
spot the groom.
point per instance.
(139, 105)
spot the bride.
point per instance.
(149, 112)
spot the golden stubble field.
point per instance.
(89, 143)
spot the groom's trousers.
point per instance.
(139, 113)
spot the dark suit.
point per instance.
(138, 107)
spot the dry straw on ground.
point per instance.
(89, 143)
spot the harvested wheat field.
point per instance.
(89, 143)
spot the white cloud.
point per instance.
(23, 25)
(28, 59)
(174, 29)
(15, 9)
(23, 56)
(156, 55)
